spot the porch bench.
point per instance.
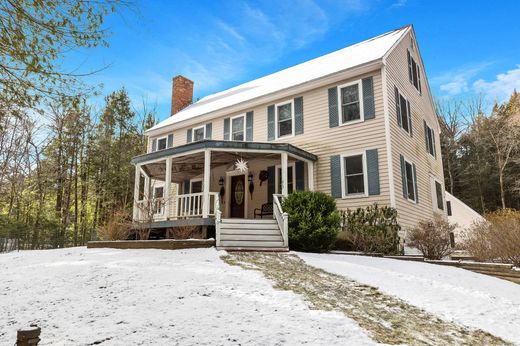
(266, 209)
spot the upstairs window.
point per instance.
(414, 73)
(284, 119)
(161, 143)
(199, 133)
(238, 128)
(429, 139)
(404, 115)
(410, 181)
(350, 102)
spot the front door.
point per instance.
(237, 196)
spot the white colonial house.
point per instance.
(358, 124)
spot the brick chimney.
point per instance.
(182, 93)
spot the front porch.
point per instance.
(209, 183)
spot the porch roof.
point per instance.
(217, 145)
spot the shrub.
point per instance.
(370, 229)
(497, 238)
(184, 232)
(314, 221)
(432, 238)
(117, 227)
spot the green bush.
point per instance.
(314, 221)
(370, 229)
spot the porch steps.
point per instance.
(250, 235)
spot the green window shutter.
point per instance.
(226, 129)
(270, 123)
(403, 176)
(209, 128)
(186, 186)
(426, 136)
(249, 126)
(419, 79)
(298, 115)
(409, 118)
(189, 134)
(333, 107)
(373, 172)
(410, 67)
(170, 140)
(415, 185)
(300, 175)
(154, 145)
(369, 108)
(335, 176)
(433, 143)
(270, 183)
(398, 106)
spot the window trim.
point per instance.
(165, 141)
(291, 101)
(203, 127)
(435, 202)
(196, 180)
(155, 186)
(340, 104)
(365, 174)
(409, 132)
(277, 176)
(414, 201)
(243, 115)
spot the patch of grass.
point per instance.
(386, 318)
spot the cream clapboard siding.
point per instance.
(413, 148)
(321, 140)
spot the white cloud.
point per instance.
(399, 3)
(458, 81)
(503, 85)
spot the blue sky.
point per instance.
(468, 47)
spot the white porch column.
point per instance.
(136, 192)
(167, 188)
(205, 184)
(310, 175)
(284, 175)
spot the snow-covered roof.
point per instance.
(343, 59)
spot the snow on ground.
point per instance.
(156, 297)
(472, 299)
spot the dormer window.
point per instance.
(414, 73)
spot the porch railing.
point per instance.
(191, 205)
(281, 218)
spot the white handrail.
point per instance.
(218, 219)
(191, 204)
(281, 218)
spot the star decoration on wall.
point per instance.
(241, 165)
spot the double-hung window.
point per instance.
(199, 133)
(430, 139)
(161, 143)
(410, 180)
(351, 102)
(284, 119)
(414, 73)
(354, 175)
(404, 115)
(238, 128)
(440, 195)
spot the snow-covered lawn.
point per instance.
(472, 299)
(156, 297)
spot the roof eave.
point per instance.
(315, 83)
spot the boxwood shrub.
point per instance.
(314, 221)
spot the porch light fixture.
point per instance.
(221, 181)
(250, 177)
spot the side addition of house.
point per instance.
(358, 124)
